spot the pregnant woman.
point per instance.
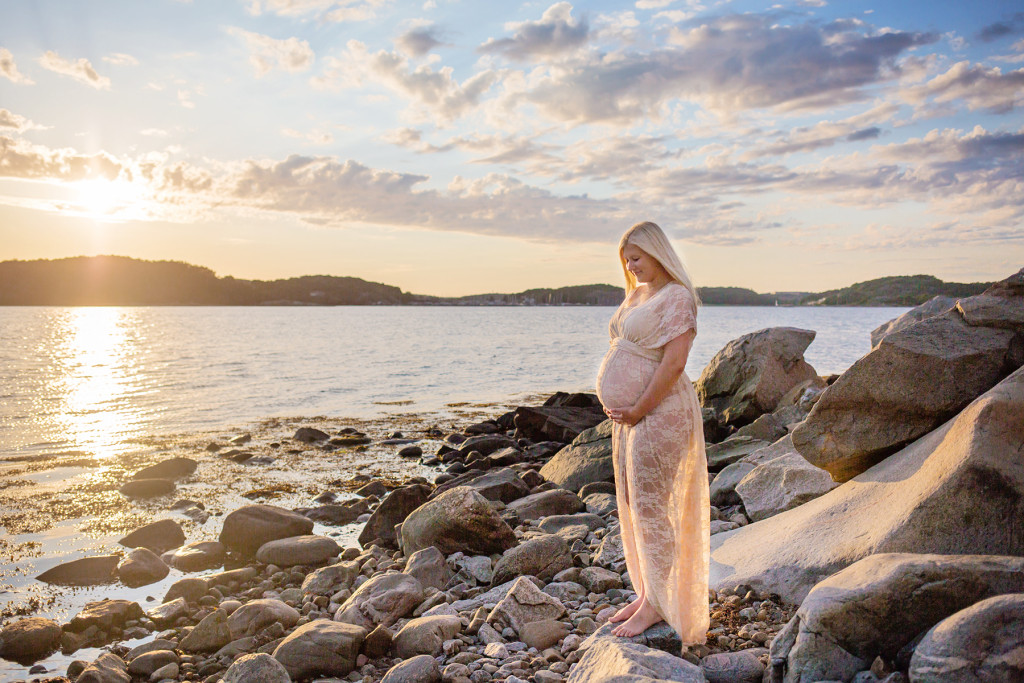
(661, 477)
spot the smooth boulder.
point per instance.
(459, 520)
(209, 635)
(419, 669)
(384, 599)
(172, 468)
(196, 557)
(249, 527)
(255, 615)
(959, 477)
(781, 484)
(325, 580)
(87, 571)
(256, 667)
(615, 660)
(141, 567)
(542, 556)
(298, 550)
(546, 503)
(160, 536)
(146, 488)
(586, 460)
(425, 635)
(30, 639)
(320, 648)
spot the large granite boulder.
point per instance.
(562, 417)
(542, 556)
(781, 484)
(949, 492)
(249, 527)
(914, 380)
(459, 520)
(298, 550)
(980, 644)
(320, 648)
(615, 660)
(586, 460)
(256, 667)
(159, 536)
(419, 669)
(325, 580)
(393, 510)
(28, 640)
(932, 307)
(732, 450)
(384, 599)
(502, 484)
(879, 605)
(752, 373)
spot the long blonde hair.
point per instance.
(652, 240)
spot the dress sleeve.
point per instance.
(677, 315)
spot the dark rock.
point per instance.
(86, 571)
(557, 423)
(393, 510)
(338, 515)
(28, 640)
(249, 527)
(546, 503)
(374, 488)
(147, 488)
(173, 468)
(410, 452)
(190, 588)
(732, 667)
(159, 536)
(485, 444)
(309, 435)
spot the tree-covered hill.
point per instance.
(897, 290)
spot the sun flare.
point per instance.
(108, 199)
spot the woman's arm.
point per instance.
(671, 367)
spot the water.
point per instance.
(96, 380)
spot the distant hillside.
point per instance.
(898, 290)
(580, 295)
(122, 281)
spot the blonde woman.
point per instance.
(661, 477)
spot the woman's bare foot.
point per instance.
(627, 611)
(643, 618)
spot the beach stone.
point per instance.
(546, 503)
(770, 426)
(86, 571)
(209, 635)
(749, 376)
(256, 667)
(558, 422)
(168, 612)
(502, 484)
(339, 514)
(147, 488)
(106, 668)
(378, 642)
(543, 633)
(189, 588)
(196, 557)
(151, 646)
(148, 662)
(587, 460)
(476, 568)
(172, 468)
(525, 603)
(914, 380)
(393, 510)
(599, 580)
(601, 503)
(459, 520)
(324, 580)
(565, 591)
(485, 444)
(955, 478)
(542, 556)
(384, 599)
(141, 567)
(781, 484)
(310, 435)
(419, 669)
(979, 644)
(249, 527)
(320, 648)
(159, 536)
(425, 635)
(104, 614)
(660, 636)
(732, 667)
(429, 568)
(610, 660)
(255, 615)
(610, 553)
(374, 488)
(298, 550)
(878, 605)
(489, 597)
(732, 450)
(932, 307)
(723, 486)
(28, 640)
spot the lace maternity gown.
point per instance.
(661, 478)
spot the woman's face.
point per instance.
(642, 265)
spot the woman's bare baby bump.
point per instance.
(621, 380)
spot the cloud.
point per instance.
(185, 99)
(315, 137)
(16, 122)
(80, 70)
(154, 132)
(9, 70)
(823, 134)
(554, 34)
(326, 10)
(976, 86)
(121, 59)
(419, 40)
(1000, 29)
(436, 92)
(266, 53)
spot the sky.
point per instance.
(453, 147)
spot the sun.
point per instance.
(108, 199)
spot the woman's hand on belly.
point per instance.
(628, 416)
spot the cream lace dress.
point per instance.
(661, 477)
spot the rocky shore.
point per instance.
(865, 528)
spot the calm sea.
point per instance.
(95, 379)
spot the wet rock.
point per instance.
(383, 599)
(393, 510)
(173, 468)
(782, 484)
(168, 612)
(86, 571)
(374, 488)
(929, 309)
(255, 615)
(104, 614)
(298, 550)
(320, 648)
(147, 488)
(141, 567)
(310, 435)
(459, 520)
(485, 444)
(612, 659)
(732, 667)
(880, 604)
(429, 568)
(543, 557)
(256, 668)
(30, 639)
(914, 380)
(525, 603)
(159, 536)
(425, 635)
(587, 460)
(190, 589)
(249, 527)
(419, 669)
(209, 635)
(196, 557)
(325, 579)
(979, 644)
(145, 664)
(107, 668)
(752, 373)
(958, 472)
(546, 503)
(151, 646)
